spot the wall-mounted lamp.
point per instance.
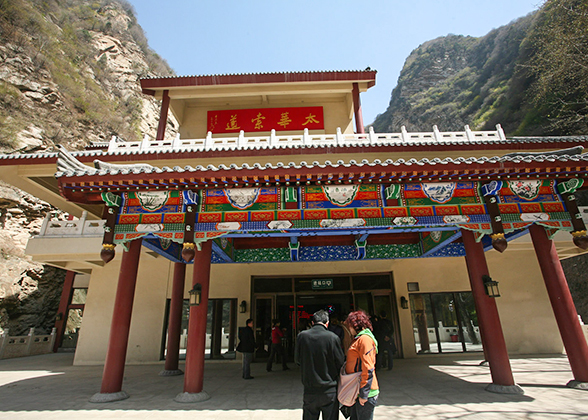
(59, 316)
(403, 302)
(195, 294)
(243, 307)
(490, 286)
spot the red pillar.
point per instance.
(114, 366)
(175, 322)
(357, 110)
(562, 304)
(163, 116)
(64, 302)
(194, 375)
(488, 319)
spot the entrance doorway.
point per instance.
(445, 322)
(293, 300)
(75, 313)
(221, 329)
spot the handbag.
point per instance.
(348, 388)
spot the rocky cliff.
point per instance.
(29, 291)
(530, 76)
(69, 74)
(456, 80)
(75, 66)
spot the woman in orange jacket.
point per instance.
(361, 356)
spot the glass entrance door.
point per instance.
(445, 322)
(263, 325)
(221, 328)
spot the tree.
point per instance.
(559, 65)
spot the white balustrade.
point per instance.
(26, 345)
(305, 139)
(52, 227)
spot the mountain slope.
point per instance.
(455, 80)
(69, 73)
(75, 66)
(530, 76)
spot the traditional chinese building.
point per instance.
(272, 202)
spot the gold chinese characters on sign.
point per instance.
(265, 119)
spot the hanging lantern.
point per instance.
(490, 286)
(195, 294)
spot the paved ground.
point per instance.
(440, 387)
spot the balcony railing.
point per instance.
(53, 227)
(305, 139)
(26, 345)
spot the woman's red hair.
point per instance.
(359, 321)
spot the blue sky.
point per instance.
(255, 36)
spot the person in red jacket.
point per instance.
(277, 348)
(361, 356)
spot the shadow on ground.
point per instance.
(50, 382)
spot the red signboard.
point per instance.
(266, 119)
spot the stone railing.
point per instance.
(75, 227)
(449, 334)
(26, 345)
(303, 139)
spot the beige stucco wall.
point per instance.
(147, 316)
(337, 112)
(528, 322)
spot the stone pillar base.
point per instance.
(186, 397)
(101, 397)
(505, 389)
(175, 372)
(577, 385)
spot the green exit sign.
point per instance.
(318, 284)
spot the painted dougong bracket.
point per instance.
(490, 193)
(188, 250)
(113, 203)
(360, 244)
(294, 249)
(567, 190)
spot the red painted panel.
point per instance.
(209, 217)
(265, 119)
(290, 215)
(473, 209)
(236, 217)
(421, 211)
(260, 216)
(342, 214)
(447, 210)
(530, 207)
(315, 214)
(395, 212)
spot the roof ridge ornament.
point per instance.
(132, 167)
(572, 151)
(66, 162)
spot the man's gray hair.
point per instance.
(321, 316)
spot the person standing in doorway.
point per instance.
(277, 349)
(247, 347)
(320, 356)
(385, 335)
(361, 356)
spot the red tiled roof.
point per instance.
(252, 78)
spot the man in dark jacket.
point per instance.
(384, 333)
(247, 347)
(319, 354)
